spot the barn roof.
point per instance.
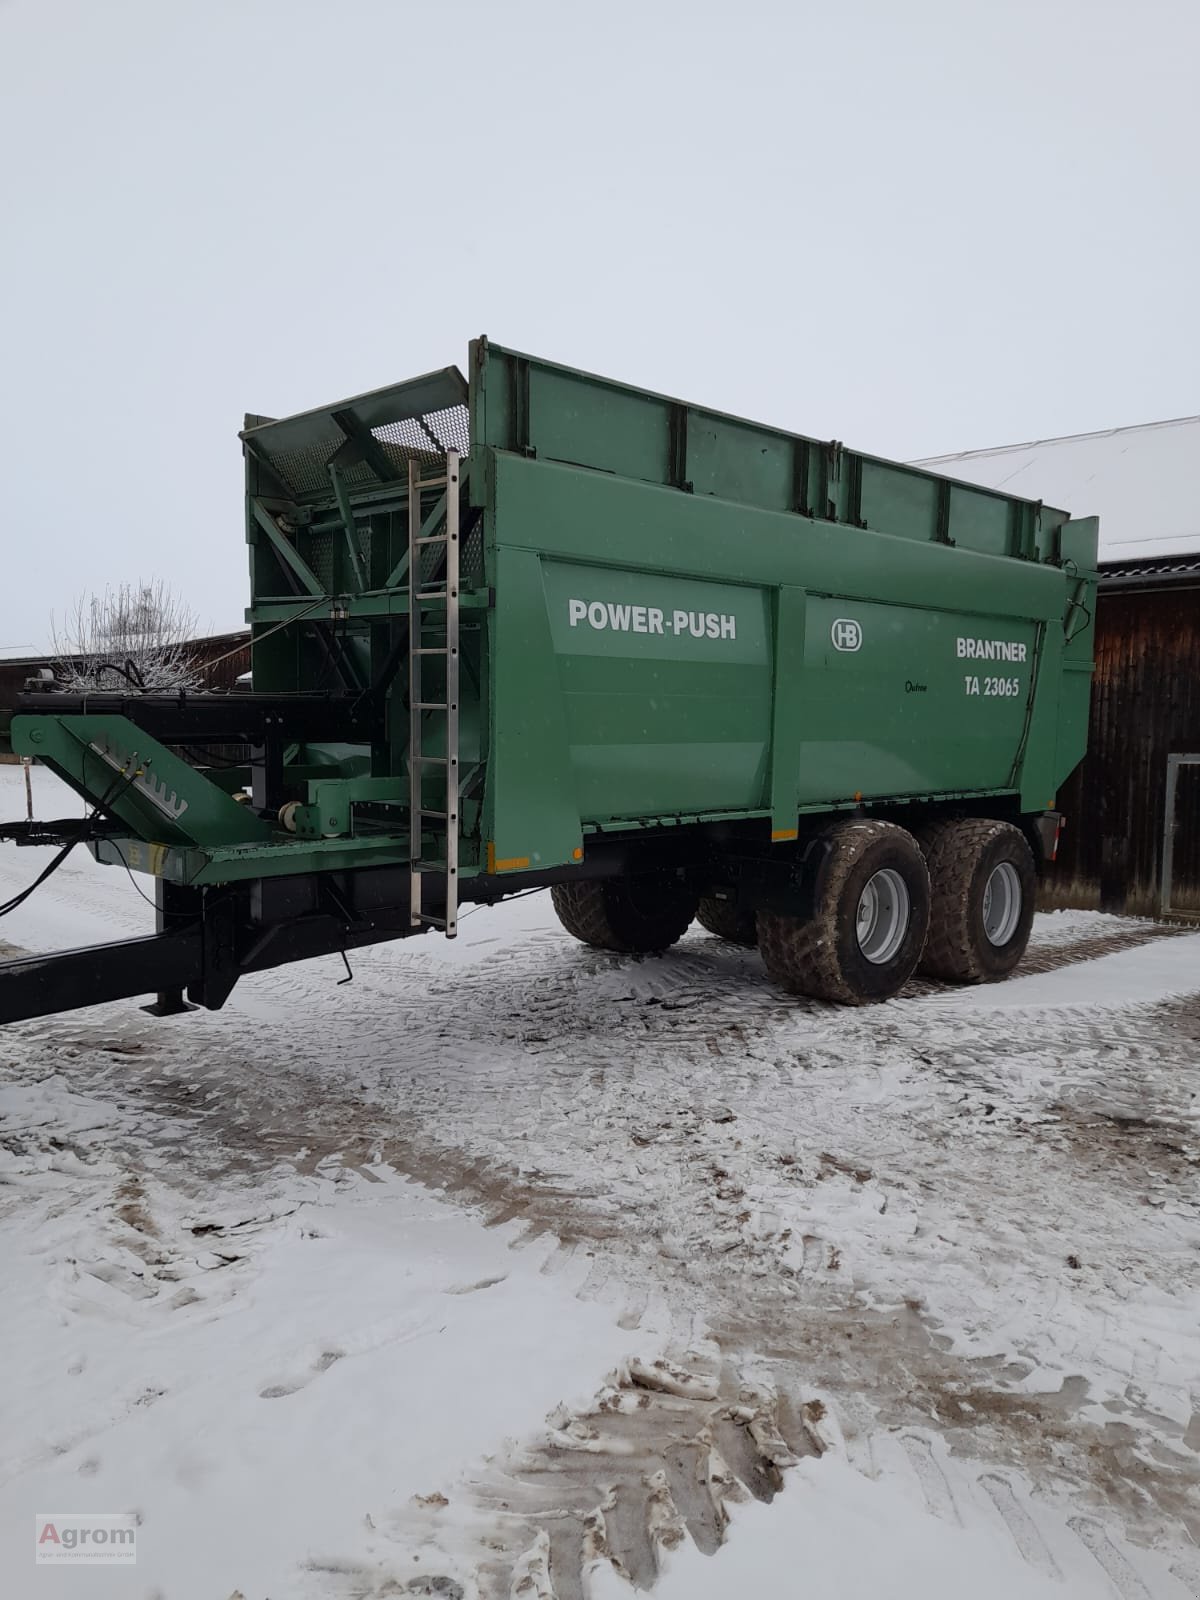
(1154, 572)
(1142, 482)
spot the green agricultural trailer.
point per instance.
(536, 628)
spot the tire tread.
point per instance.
(801, 954)
(953, 846)
(597, 911)
(724, 920)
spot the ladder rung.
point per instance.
(429, 864)
(440, 760)
(430, 705)
(425, 811)
(431, 483)
(420, 597)
(432, 922)
(430, 650)
(433, 538)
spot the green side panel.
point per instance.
(737, 461)
(981, 521)
(575, 419)
(531, 810)
(903, 502)
(603, 520)
(666, 688)
(536, 408)
(659, 654)
(903, 713)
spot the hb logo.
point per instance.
(846, 634)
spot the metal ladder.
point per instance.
(433, 631)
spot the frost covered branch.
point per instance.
(137, 636)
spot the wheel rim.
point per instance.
(884, 911)
(1002, 903)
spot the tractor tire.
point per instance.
(635, 916)
(983, 887)
(867, 933)
(722, 918)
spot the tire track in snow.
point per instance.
(663, 1119)
(660, 1456)
(1022, 1528)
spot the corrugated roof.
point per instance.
(1159, 569)
(1142, 482)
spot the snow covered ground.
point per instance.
(517, 1269)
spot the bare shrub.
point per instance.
(136, 636)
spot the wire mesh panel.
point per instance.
(436, 432)
(304, 467)
(369, 439)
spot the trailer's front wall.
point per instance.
(662, 655)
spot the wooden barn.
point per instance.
(223, 657)
(1133, 807)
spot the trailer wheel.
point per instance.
(634, 915)
(722, 918)
(983, 885)
(865, 938)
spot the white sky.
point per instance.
(916, 227)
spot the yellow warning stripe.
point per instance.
(784, 833)
(507, 863)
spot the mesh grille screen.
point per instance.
(431, 434)
(320, 558)
(471, 559)
(425, 438)
(323, 548)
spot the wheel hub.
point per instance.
(1002, 902)
(882, 918)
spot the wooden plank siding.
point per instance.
(224, 656)
(1145, 706)
(223, 673)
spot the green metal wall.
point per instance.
(663, 645)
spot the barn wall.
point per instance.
(223, 656)
(1145, 706)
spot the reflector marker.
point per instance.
(507, 864)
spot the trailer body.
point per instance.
(538, 627)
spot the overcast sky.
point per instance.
(917, 227)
